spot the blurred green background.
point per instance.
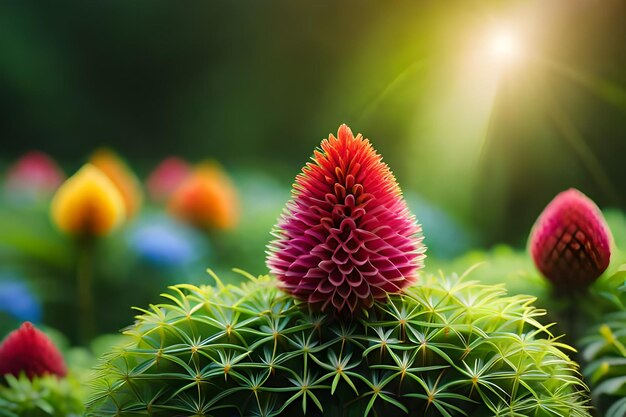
(487, 139)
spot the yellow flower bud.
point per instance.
(122, 177)
(87, 204)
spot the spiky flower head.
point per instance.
(166, 178)
(571, 243)
(206, 199)
(28, 350)
(346, 238)
(122, 177)
(87, 204)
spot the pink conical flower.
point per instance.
(570, 242)
(30, 351)
(166, 178)
(346, 238)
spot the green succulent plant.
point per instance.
(447, 346)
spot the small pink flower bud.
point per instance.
(34, 173)
(167, 177)
(570, 242)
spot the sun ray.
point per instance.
(390, 87)
(606, 90)
(575, 140)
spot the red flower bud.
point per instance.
(30, 351)
(346, 238)
(570, 242)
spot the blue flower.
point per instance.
(164, 242)
(18, 301)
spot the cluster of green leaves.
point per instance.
(42, 397)
(447, 347)
(605, 348)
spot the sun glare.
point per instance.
(504, 46)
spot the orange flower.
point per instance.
(206, 199)
(87, 204)
(122, 177)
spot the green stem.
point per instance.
(577, 316)
(84, 286)
(572, 318)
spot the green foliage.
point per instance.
(501, 264)
(605, 351)
(448, 347)
(41, 397)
